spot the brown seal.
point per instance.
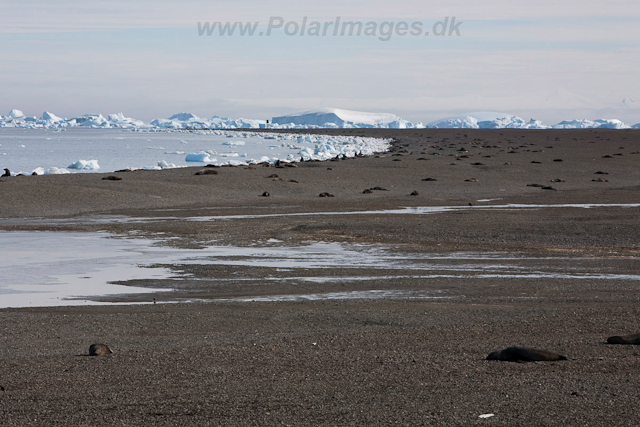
(99, 350)
(626, 339)
(207, 172)
(112, 178)
(523, 354)
(7, 172)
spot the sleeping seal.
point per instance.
(522, 354)
(99, 350)
(207, 172)
(626, 339)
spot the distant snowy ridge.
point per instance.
(310, 119)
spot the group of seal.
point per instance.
(523, 354)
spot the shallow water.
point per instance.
(417, 210)
(67, 268)
(51, 269)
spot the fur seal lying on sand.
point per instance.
(627, 339)
(522, 354)
(207, 172)
(99, 350)
(7, 172)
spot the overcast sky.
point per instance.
(551, 60)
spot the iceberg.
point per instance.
(191, 121)
(94, 121)
(162, 164)
(48, 120)
(85, 165)
(16, 114)
(119, 120)
(50, 117)
(591, 124)
(57, 171)
(337, 118)
(331, 118)
(483, 120)
(198, 157)
(184, 117)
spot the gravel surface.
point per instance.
(389, 361)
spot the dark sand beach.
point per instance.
(383, 361)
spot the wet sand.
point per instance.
(356, 362)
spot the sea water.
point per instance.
(107, 150)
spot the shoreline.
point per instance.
(349, 362)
